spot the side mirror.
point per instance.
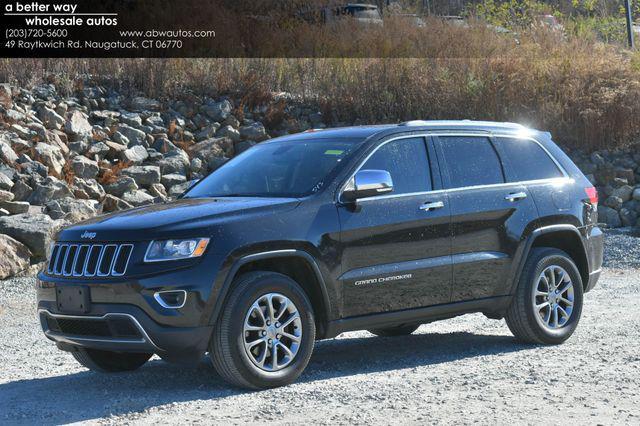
(368, 183)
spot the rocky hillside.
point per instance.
(64, 159)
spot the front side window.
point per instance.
(471, 161)
(407, 162)
(527, 160)
(292, 168)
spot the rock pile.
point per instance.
(67, 158)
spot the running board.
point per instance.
(492, 306)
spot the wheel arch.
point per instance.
(297, 264)
(564, 237)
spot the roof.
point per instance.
(363, 132)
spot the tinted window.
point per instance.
(471, 161)
(291, 168)
(406, 161)
(527, 160)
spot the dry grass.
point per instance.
(111, 174)
(585, 93)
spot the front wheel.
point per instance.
(110, 362)
(547, 305)
(266, 332)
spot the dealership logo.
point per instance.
(88, 235)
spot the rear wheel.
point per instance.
(110, 362)
(547, 305)
(266, 332)
(402, 330)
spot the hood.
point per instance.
(185, 217)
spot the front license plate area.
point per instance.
(73, 299)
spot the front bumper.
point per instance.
(122, 328)
(125, 316)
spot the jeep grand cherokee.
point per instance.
(310, 235)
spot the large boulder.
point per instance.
(6, 196)
(7, 154)
(136, 154)
(134, 136)
(50, 189)
(88, 189)
(51, 119)
(138, 198)
(609, 216)
(77, 124)
(218, 111)
(144, 104)
(33, 230)
(71, 209)
(143, 175)
(114, 204)
(85, 168)
(15, 207)
(6, 95)
(254, 132)
(15, 256)
(624, 192)
(173, 179)
(51, 156)
(208, 148)
(120, 186)
(176, 161)
(5, 182)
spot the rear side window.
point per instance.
(471, 161)
(406, 161)
(527, 160)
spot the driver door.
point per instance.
(397, 247)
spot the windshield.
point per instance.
(276, 169)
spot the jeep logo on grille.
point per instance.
(88, 235)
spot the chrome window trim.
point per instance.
(565, 179)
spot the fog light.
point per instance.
(171, 299)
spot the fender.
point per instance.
(528, 243)
(270, 255)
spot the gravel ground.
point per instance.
(465, 370)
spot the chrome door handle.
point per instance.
(516, 196)
(432, 206)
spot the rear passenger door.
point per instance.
(488, 215)
(526, 161)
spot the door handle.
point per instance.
(516, 196)
(428, 206)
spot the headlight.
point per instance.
(176, 249)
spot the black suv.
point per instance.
(310, 235)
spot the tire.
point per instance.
(532, 325)
(240, 366)
(110, 362)
(403, 330)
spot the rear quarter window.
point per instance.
(527, 160)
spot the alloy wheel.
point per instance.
(553, 297)
(272, 332)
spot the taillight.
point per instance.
(592, 193)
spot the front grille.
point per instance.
(108, 327)
(89, 260)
